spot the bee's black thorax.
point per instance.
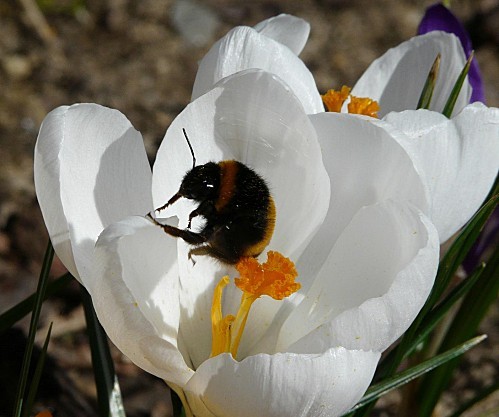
(237, 206)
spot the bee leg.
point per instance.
(190, 237)
(205, 209)
(189, 256)
(200, 250)
(169, 202)
(193, 214)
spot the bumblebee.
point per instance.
(236, 204)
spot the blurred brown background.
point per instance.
(141, 57)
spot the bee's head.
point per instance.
(201, 182)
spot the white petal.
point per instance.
(459, 159)
(286, 29)
(91, 169)
(244, 48)
(135, 291)
(372, 285)
(325, 385)
(254, 118)
(396, 79)
(197, 284)
(366, 165)
(47, 185)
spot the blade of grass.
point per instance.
(35, 316)
(439, 311)
(401, 378)
(427, 93)
(35, 382)
(476, 399)
(23, 308)
(471, 312)
(108, 390)
(442, 308)
(451, 101)
(462, 245)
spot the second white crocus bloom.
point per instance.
(349, 213)
(458, 160)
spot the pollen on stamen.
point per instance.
(333, 100)
(275, 277)
(363, 105)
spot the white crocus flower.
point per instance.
(458, 159)
(349, 213)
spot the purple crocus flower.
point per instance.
(439, 17)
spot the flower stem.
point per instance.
(40, 293)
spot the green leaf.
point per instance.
(476, 399)
(461, 246)
(451, 101)
(439, 311)
(427, 93)
(35, 382)
(17, 312)
(35, 316)
(108, 390)
(401, 378)
(471, 312)
(458, 251)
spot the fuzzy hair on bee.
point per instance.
(236, 204)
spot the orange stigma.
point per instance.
(275, 278)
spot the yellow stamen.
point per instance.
(220, 325)
(365, 106)
(275, 278)
(333, 100)
(240, 321)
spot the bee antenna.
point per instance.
(190, 147)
